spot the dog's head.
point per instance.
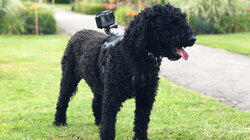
(165, 31)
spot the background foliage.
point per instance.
(88, 7)
(206, 16)
(216, 16)
(47, 22)
(19, 18)
(63, 1)
(11, 12)
(120, 15)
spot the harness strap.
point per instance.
(112, 40)
(102, 60)
(138, 79)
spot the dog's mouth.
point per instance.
(181, 52)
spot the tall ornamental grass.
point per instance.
(216, 16)
(206, 16)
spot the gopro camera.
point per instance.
(105, 19)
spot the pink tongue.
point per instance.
(182, 53)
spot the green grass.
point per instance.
(238, 42)
(63, 6)
(29, 85)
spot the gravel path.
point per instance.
(71, 22)
(213, 72)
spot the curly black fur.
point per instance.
(157, 30)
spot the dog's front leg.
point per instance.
(110, 107)
(144, 102)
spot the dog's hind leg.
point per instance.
(97, 108)
(68, 86)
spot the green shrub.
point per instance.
(206, 16)
(63, 1)
(201, 25)
(216, 16)
(95, 8)
(243, 23)
(11, 13)
(88, 8)
(120, 15)
(227, 24)
(18, 18)
(46, 20)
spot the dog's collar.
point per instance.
(157, 59)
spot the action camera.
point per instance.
(105, 19)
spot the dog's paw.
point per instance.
(55, 123)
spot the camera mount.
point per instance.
(106, 20)
(107, 29)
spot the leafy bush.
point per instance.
(18, 18)
(120, 15)
(206, 16)
(201, 25)
(216, 16)
(63, 1)
(46, 20)
(88, 8)
(228, 24)
(11, 13)
(95, 8)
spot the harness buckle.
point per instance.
(139, 81)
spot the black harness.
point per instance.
(139, 80)
(111, 41)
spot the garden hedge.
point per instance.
(88, 7)
(11, 12)
(63, 1)
(19, 18)
(206, 16)
(46, 20)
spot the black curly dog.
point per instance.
(158, 31)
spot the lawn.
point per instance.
(238, 42)
(29, 85)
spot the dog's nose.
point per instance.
(192, 38)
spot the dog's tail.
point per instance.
(68, 64)
(68, 85)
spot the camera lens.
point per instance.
(111, 16)
(107, 18)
